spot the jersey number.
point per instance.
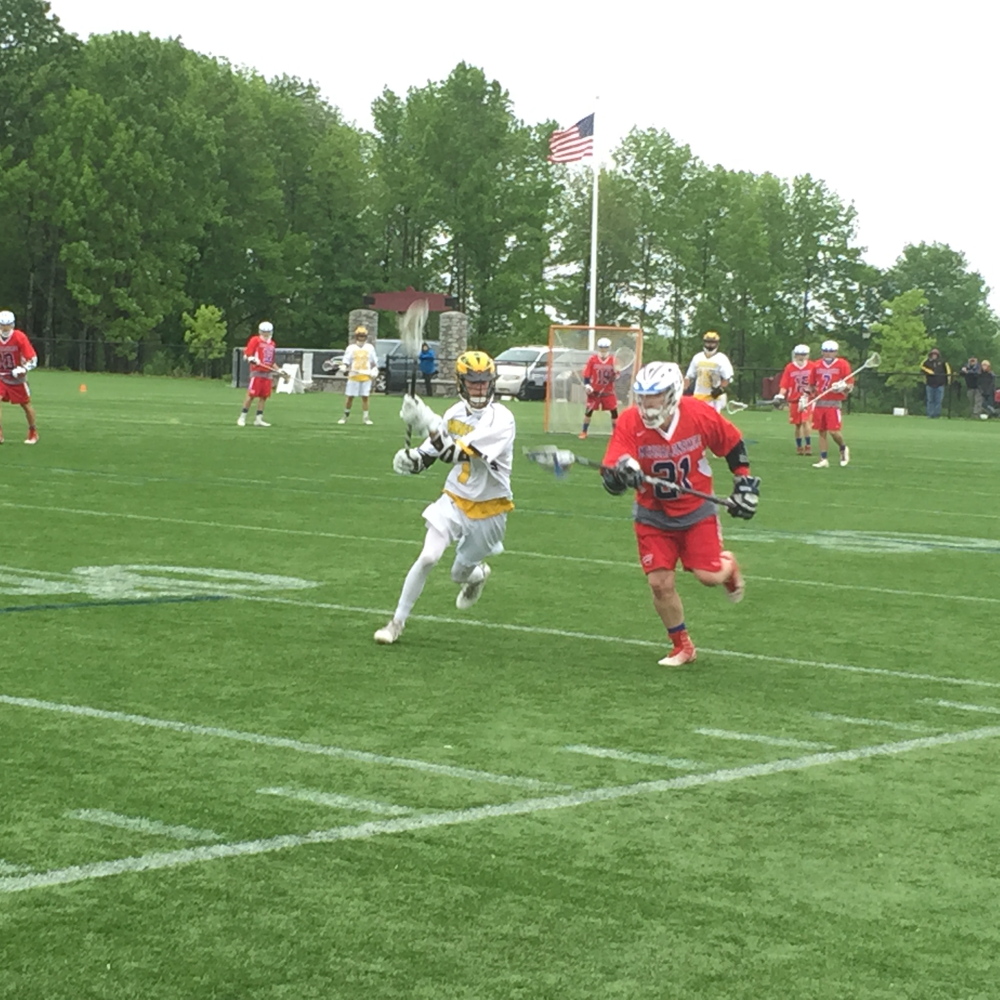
(677, 472)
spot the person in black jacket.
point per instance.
(987, 391)
(937, 374)
(971, 372)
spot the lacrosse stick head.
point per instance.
(734, 406)
(552, 457)
(874, 360)
(411, 327)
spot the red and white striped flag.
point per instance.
(574, 143)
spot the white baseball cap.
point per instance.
(6, 318)
(829, 345)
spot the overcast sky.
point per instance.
(893, 104)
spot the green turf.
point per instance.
(485, 859)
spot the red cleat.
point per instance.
(32, 437)
(684, 653)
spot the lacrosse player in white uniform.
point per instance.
(475, 437)
(360, 365)
(711, 372)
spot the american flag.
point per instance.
(574, 143)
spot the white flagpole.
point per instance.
(596, 168)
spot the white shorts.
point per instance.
(476, 538)
(356, 388)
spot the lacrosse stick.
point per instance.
(735, 406)
(873, 361)
(411, 335)
(560, 459)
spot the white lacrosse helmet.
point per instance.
(265, 329)
(658, 388)
(800, 355)
(6, 318)
(829, 345)
(604, 344)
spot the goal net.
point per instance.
(570, 347)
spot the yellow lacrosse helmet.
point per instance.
(361, 331)
(473, 368)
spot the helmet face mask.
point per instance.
(710, 342)
(603, 347)
(265, 330)
(658, 389)
(477, 378)
(800, 355)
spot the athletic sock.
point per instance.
(246, 409)
(808, 441)
(678, 635)
(798, 442)
(822, 454)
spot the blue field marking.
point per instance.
(121, 602)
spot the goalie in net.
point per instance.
(590, 371)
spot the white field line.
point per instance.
(335, 801)
(475, 814)
(630, 565)
(910, 727)
(988, 709)
(622, 641)
(771, 741)
(6, 868)
(677, 763)
(444, 770)
(139, 824)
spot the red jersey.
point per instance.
(824, 373)
(676, 453)
(601, 374)
(14, 352)
(263, 350)
(795, 381)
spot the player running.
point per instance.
(360, 365)
(665, 435)
(599, 377)
(830, 379)
(260, 352)
(476, 437)
(794, 389)
(17, 358)
(711, 372)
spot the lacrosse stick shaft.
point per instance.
(869, 363)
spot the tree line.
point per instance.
(142, 183)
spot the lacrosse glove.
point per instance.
(745, 497)
(717, 391)
(778, 401)
(625, 475)
(840, 386)
(18, 371)
(408, 462)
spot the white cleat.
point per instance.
(845, 456)
(261, 422)
(368, 420)
(342, 420)
(471, 592)
(821, 464)
(684, 654)
(389, 632)
(242, 421)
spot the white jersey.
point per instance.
(708, 371)
(361, 362)
(479, 481)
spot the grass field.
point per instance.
(215, 785)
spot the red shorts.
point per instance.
(697, 547)
(15, 393)
(826, 418)
(797, 412)
(604, 401)
(260, 387)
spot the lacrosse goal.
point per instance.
(569, 349)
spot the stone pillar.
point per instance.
(368, 318)
(454, 337)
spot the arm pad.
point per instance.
(738, 457)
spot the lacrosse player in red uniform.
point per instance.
(17, 358)
(476, 437)
(830, 379)
(665, 435)
(599, 377)
(260, 353)
(794, 389)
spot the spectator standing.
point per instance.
(987, 391)
(937, 374)
(971, 372)
(428, 367)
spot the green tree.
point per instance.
(902, 338)
(205, 333)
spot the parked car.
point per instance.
(524, 371)
(396, 369)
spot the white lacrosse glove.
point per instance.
(589, 388)
(374, 374)
(407, 462)
(629, 472)
(421, 421)
(18, 371)
(840, 386)
(342, 370)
